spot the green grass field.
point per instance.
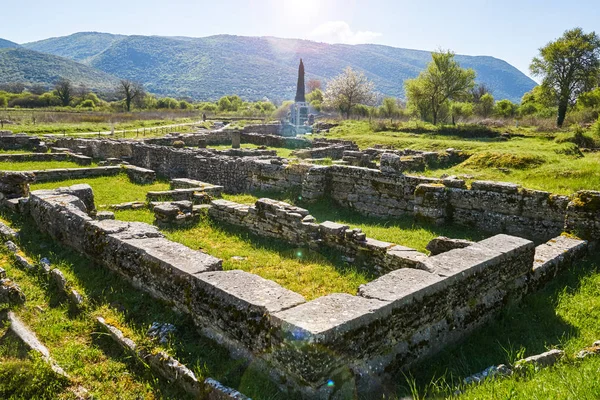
(39, 165)
(304, 271)
(281, 151)
(536, 161)
(109, 189)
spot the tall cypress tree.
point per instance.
(300, 98)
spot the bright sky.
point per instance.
(512, 30)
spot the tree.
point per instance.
(461, 110)
(485, 107)
(64, 91)
(568, 67)
(130, 91)
(505, 108)
(389, 108)
(3, 101)
(347, 90)
(442, 80)
(313, 84)
(478, 91)
(38, 89)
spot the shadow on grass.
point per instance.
(520, 330)
(105, 288)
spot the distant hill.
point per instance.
(22, 65)
(7, 44)
(254, 67)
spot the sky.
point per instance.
(510, 30)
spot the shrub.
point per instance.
(87, 104)
(178, 144)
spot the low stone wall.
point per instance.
(337, 337)
(385, 325)
(282, 221)
(21, 141)
(263, 129)
(488, 206)
(140, 175)
(275, 141)
(229, 305)
(333, 151)
(62, 174)
(15, 184)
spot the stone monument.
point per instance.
(299, 111)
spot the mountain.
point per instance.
(7, 44)
(254, 67)
(22, 65)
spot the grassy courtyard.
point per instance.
(542, 161)
(39, 165)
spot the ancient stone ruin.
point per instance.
(416, 305)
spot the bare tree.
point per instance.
(480, 90)
(38, 89)
(81, 91)
(313, 84)
(12, 87)
(349, 89)
(64, 91)
(130, 91)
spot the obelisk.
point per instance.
(300, 88)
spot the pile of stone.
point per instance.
(15, 184)
(175, 213)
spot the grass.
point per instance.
(536, 160)
(56, 122)
(281, 151)
(404, 231)
(301, 270)
(39, 165)
(110, 189)
(91, 357)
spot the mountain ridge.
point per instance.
(255, 67)
(19, 64)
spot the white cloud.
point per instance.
(340, 32)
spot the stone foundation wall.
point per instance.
(394, 320)
(263, 129)
(234, 304)
(282, 221)
(48, 175)
(385, 193)
(21, 141)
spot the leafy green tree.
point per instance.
(224, 104)
(485, 107)
(167, 102)
(314, 95)
(389, 108)
(3, 101)
(568, 67)
(505, 108)
(347, 90)
(442, 80)
(589, 99)
(461, 110)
